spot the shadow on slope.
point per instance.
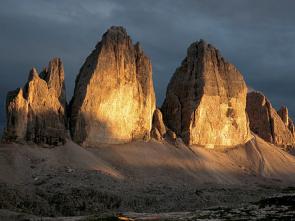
(139, 176)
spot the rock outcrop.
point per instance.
(274, 127)
(37, 113)
(206, 100)
(114, 97)
(158, 127)
(284, 114)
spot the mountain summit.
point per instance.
(114, 97)
(206, 100)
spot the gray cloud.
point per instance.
(257, 36)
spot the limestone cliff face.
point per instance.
(114, 97)
(37, 112)
(274, 127)
(206, 100)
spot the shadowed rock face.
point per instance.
(274, 127)
(37, 112)
(206, 100)
(114, 97)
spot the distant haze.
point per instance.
(256, 36)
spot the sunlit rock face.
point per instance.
(37, 112)
(206, 100)
(114, 97)
(274, 127)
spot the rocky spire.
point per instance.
(38, 114)
(114, 97)
(158, 127)
(206, 99)
(284, 114)
(55, 78)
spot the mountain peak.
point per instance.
(206, 99)
(114, 97)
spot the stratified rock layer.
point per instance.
(274, 127)
(206, 100)
(114, 97)
(37, 112)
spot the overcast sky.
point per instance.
(257, 36)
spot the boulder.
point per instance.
(156, 134)
(206, 100)
(274, 127)
(171, 135)
(37, 112)
(114, 98)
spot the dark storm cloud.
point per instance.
(257, 36)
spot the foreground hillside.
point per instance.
(140, 176)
